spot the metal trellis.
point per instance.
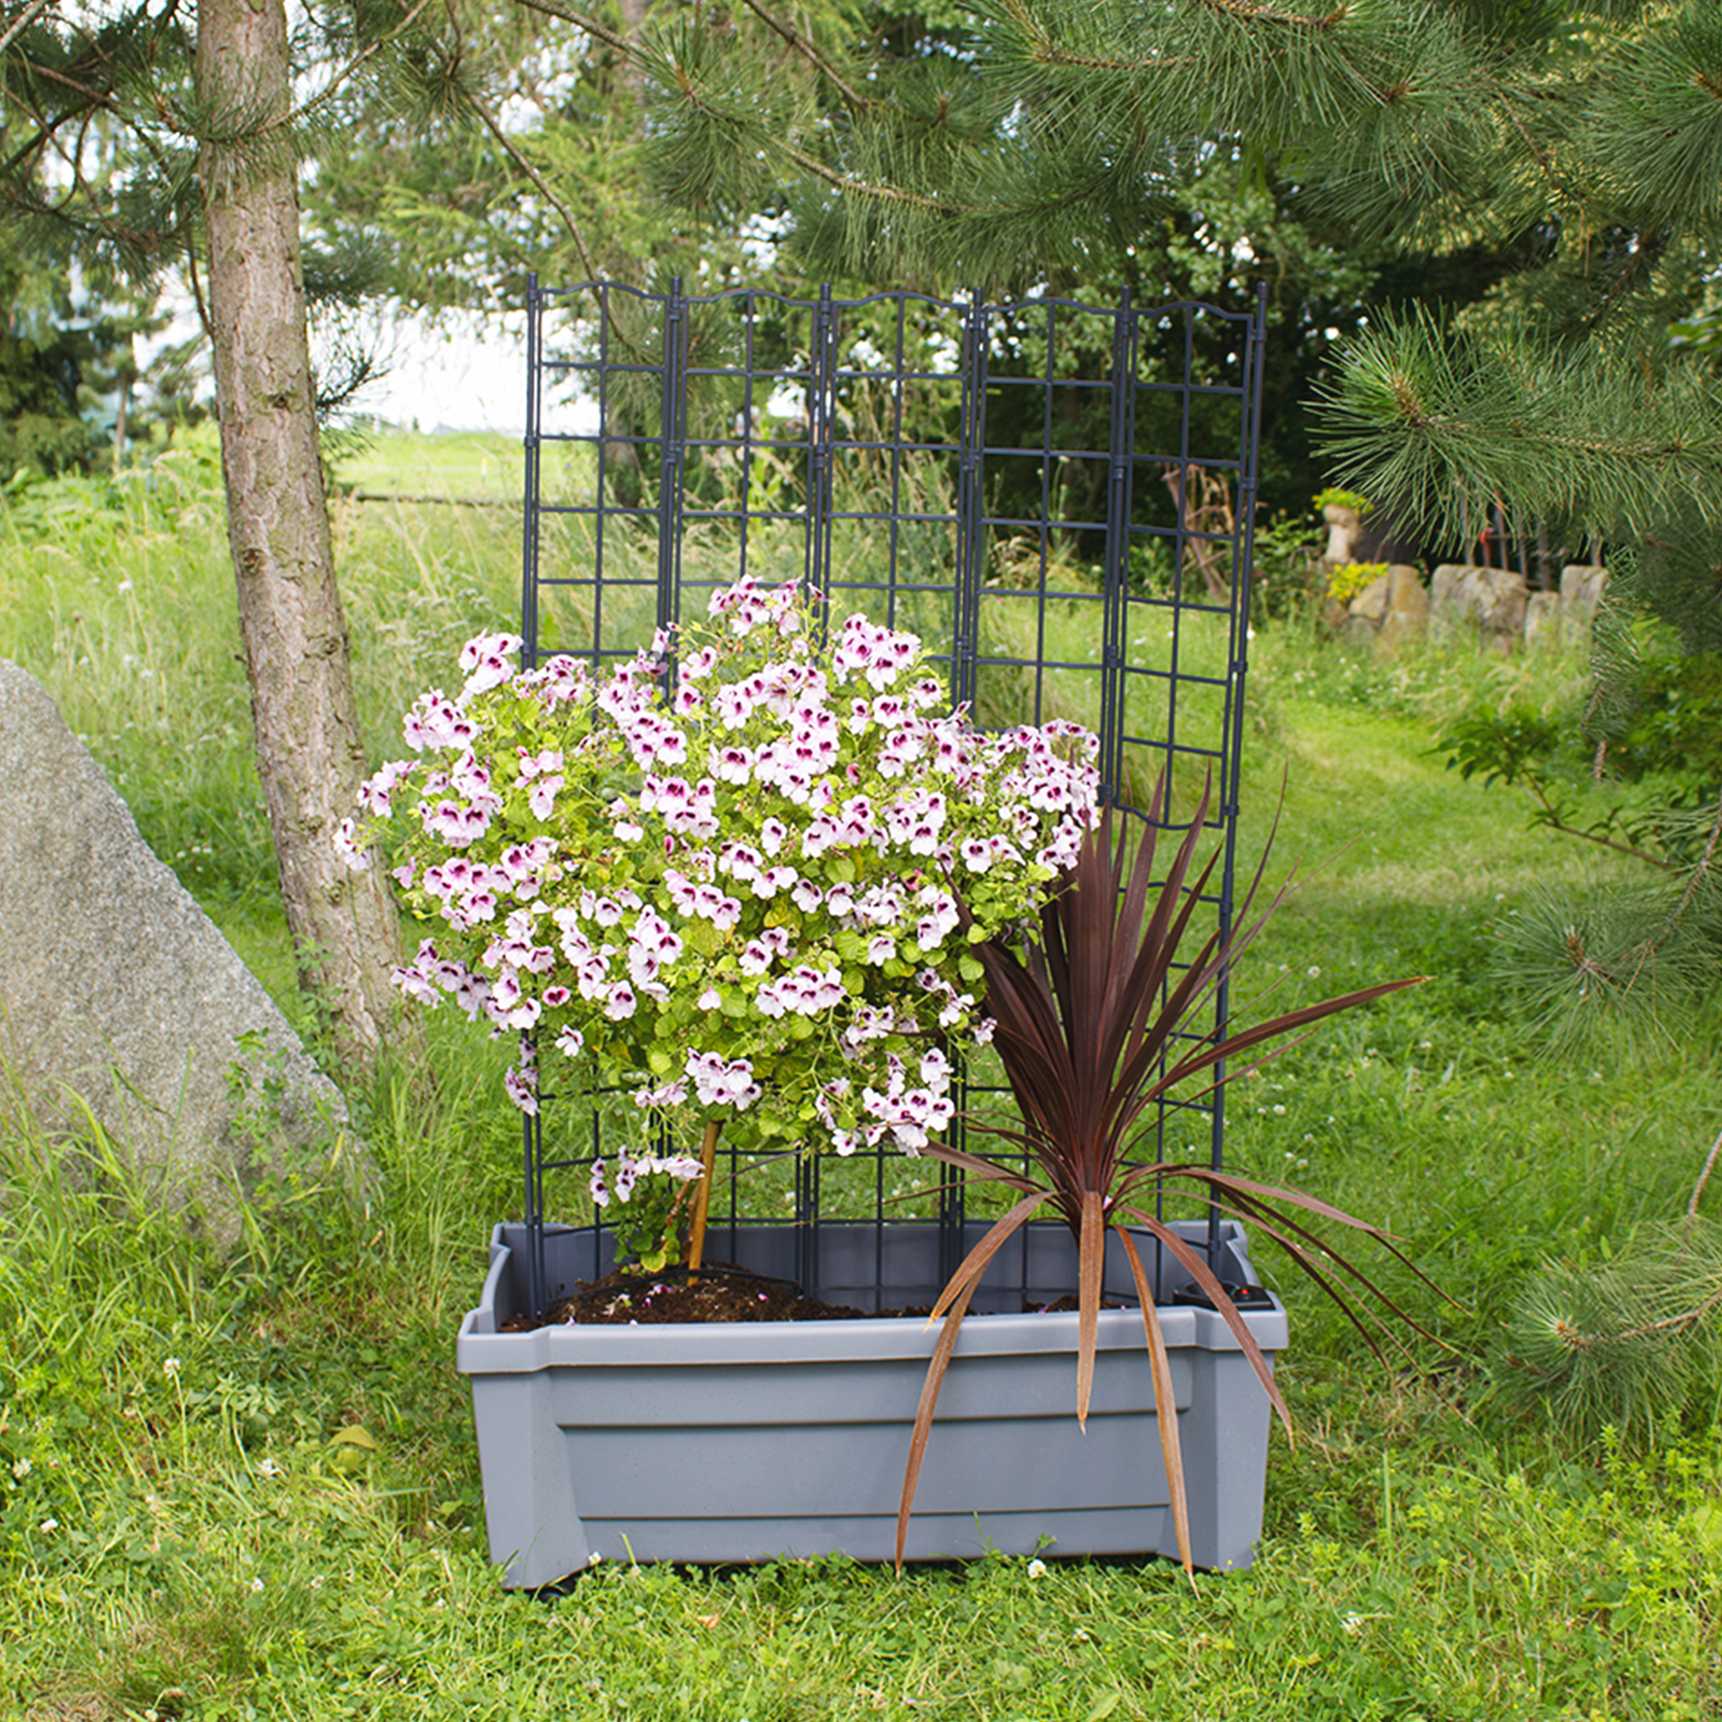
(947, 465)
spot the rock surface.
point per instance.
(1371, 602)
(117, 990)
(1388, 611)
(1543, 618)
(1490, 605)
(1405, 593)
(1583, 587)
(1489, 601)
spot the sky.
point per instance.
(462, 371)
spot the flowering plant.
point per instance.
(647, 1193)
(732, 893)
(1350, 578)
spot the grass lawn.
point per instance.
(182, 1535)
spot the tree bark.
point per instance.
(304, 718)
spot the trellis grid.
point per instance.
(931, 462)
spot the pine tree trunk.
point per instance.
(304, 719)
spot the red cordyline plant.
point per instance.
(1092, 1029)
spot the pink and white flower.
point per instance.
(485, 659)
(842, 811)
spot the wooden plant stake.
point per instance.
(697, 1232)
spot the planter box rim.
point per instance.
(482, 1350)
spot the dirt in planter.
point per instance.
(1065, 1306)
(721, 1293)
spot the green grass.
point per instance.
(471, 464)
(215, 1555)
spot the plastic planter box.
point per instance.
(741, 1441)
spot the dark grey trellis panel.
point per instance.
(675, 441)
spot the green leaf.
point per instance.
(1105, 1706)
(969, 968)
(352, 1449)
(660, 1061)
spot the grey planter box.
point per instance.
(741, 1441)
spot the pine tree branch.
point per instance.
(371, 48)
(145, 242)
(1545, 162)
(1578, 1341)
(494, 127)
(197, 289)
(1710, 1160)
(591, 26)
(1552, 818)
(871, 188)
(1653, 945)
(1604, 448)
(1423, 417)
(854, 185)
(74, 158)
(1252, 13)
(1049, 52)
(1643, 257)
(45, 129)
(22, 23)
(97, 98)
(811, 54)
(1705, 862)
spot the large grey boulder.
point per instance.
(1371, 602)
(119, 993)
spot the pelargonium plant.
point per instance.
(643, 1203)
(727, 883)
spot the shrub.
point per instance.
(1350, 578)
